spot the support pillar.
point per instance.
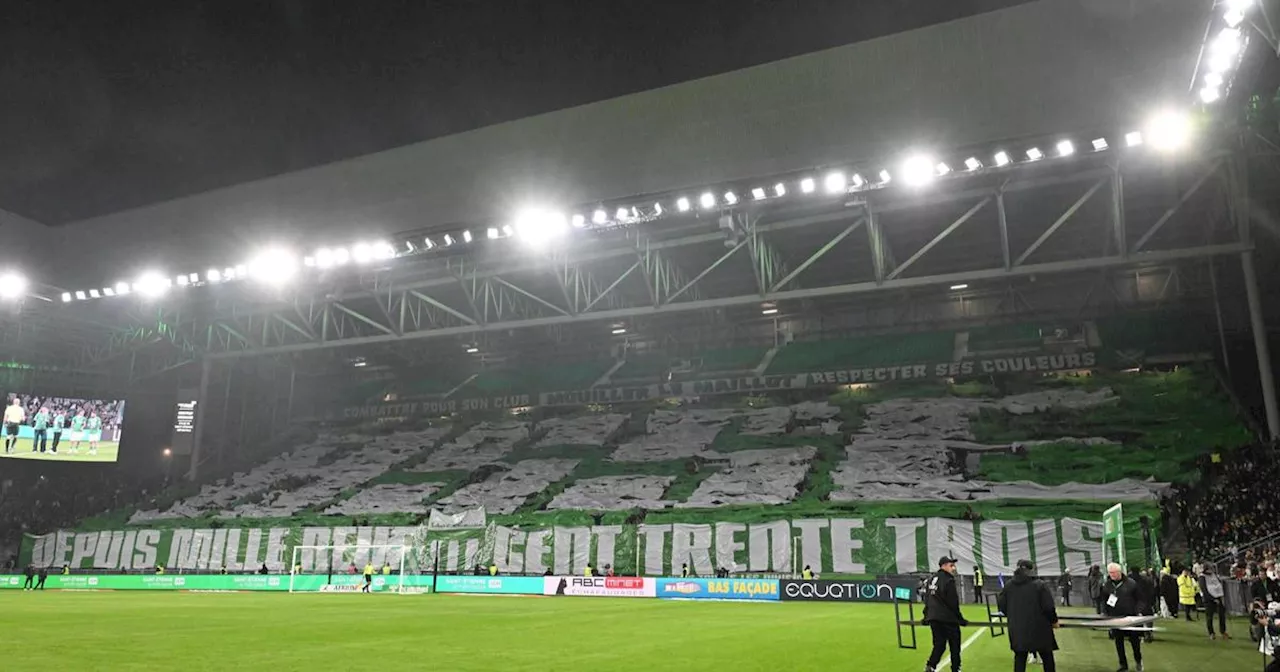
(1259, 328)
(206, 365)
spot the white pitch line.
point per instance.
(972, 638)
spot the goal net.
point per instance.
(347, 568)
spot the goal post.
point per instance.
(1113, 541)
(339, 568)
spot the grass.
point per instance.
(107, 452)
(125, 632)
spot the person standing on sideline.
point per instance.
(942, 615)
(1212, 592)
(30, 573)
(1064, 584)
(14, 416)
(978, 580)
(1121, 598)
(368, 578)
(1187, 589)
(1027, 605)
(41, 577)
(1095, 588)
(40, 425)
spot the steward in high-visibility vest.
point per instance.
(807, 574)
(978, 580)
(493, 570)
(589, 570)
(159, 569)
(386, 569)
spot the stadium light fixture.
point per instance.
(1133, 138)
(182, 280)
(362, 253)
(597, 217)
(471, 349)
(537, 225)
(1233, 17)
(80, 296)
(409, 248)
(213, 274)
(807, 185)
(1169, 130)
(1002, 159)
(579, 221)
(758, 193)
(1100, 144)
(771, 310)
(835, 182)
(917, 171)
(151, 285)
(492, 233)
(93, 294)
(167, 452)
(1034, 154)
(229, 273)
(942, 168)
(66, 297)
(621, 214)
(618, 331)
(858, 181)
(466, 236)
(107, 291)
(12, 285)
(382, 250)
(972, 163)
(1213, 79)
(779, 189)
(730, 198)
(1227, 42)
(122, 288)
(682, 204)
(1219, 63)
(1239, 5)
(1066, 148)
(275, 266)
(241, 270)
(1210, 94)
(448, 240)
(324, 258)
(885, 177)
(428, 243)
(707, 200)
(340, 256)
(508, 231)
(310, 262)
(657, 209)
(956, 288)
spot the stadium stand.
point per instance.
(805, 356)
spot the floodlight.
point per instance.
(1233, 17)
(1226, 42)
(1099, 144)
(1002, 159)
(942, 168)
(579, 221)
(917, 170)
(362, 253)
(835, 182)
(93, 294)
(682, 204)
(151, 285)
(384, 250)
(12, 285)
(275, 266)
(360, 364)
(885, 177)
(657, 209)
(1220, 63)
(213, 274)
(107, 291)
(1133, 138)
(466, 236)
(507, 230)
(340, 257)
(1239, 5)
(779, 189)
(618, 331)
(1209, 94)
(972, 163)
(471, 350)
(80, 295)
(707, 200)
(538, 225)
(428, 243)
(1066, 148)
(621, 214)
(228, 273)
(1169, 130)
(858, 182)
(241, 270)
(448, 240)
(492, 233)
(959, 287)
(1213, 79)
(758, 193)
(409, 248)
(807, 185)
(182, 280)
(66, 297)
(599, 216)
(309, 262)
(1034, 154)
(730, 198)
(324, 257)
(122, 288)
(769, 311)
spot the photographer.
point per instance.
(1263, 617)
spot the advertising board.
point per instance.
(718, 589)
(599, 586)
(878, 590)
(491, 585)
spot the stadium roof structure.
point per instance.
(1003, 90)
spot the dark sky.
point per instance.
(106, 106)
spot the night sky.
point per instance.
(106, 106)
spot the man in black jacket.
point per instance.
(1121, 596)
(942, 614)
(1027, 604)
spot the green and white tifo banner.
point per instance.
(848, 546)
(217, 582)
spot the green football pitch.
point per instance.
(107, 452)
(281, 632)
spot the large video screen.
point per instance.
(63, 429)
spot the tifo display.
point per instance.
(64, 429)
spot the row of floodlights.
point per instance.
(276, 266)
(1224, 50)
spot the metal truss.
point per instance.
(986, 227)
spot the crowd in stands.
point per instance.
(1238, 506)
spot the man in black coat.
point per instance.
(1121, 596)
(1027, 604)
(942, 614)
